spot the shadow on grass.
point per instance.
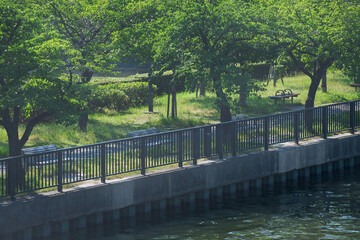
(108, 131)
(258, 106)
(207, 102)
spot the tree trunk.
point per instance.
(173, 102)
(224, 107)
(202, 88)
(315, 81)
(151, 92)
(275, 77)
(225, 114)
(242, 100)
(324, 81)
(86, 75)
(244, 93)
(151, 97)
(17, 167)
(357, 75)
(83, 122)
(168, 105)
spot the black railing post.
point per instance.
(219, 140)
(196, 144)
(233, 138)
(325, 121)
(143, 155)
(352, 117)
(11, 164)
(60, 171)
(207, 141)
(266, 133)
(180, 148)
(103, 164)
(296, 127)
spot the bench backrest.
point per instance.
(41, 149)
(143, 132)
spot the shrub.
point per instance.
(118, 96)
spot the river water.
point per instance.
(326, 209)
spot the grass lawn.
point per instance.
(192, 111)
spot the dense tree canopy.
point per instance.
(208, 39)
(32, 86)
(311, 32)
(349, 60)
(48, 47)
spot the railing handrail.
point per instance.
(172, 147)
(179, 130)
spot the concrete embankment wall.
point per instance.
(41, 215)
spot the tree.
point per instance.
(92, 28)
(311, 34)
(206, 38)
(31, 86)
(138, 40)
(349, 60)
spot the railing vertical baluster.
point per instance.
(219, 140)
(143, 155)
(180, 148)
(60, 171)
(196, 145)
(207, 141)
(233, 138)
(11, 164)
(95, 161)
(296, 127)
(102, 163)
(266, 133)
(352, 117)
(325, 121)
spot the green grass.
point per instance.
(338, 91)
(192, 111)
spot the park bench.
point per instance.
(43, 159)
(159, 140)
(283, 94)
(143, 132)
(356, 86)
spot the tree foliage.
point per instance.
(206, 40)
(48, 47)
(32, 86)
(310, 33)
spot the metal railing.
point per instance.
(54, 169)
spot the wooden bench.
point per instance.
(283, 94)
(356, 86)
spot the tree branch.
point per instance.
(95, 33)
(65, 24)
(30, 126)
(70, 80)
(12, 34)
(204, 39)
(299, 64)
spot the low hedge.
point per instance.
(118, 96)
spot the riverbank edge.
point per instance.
(44, 214)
